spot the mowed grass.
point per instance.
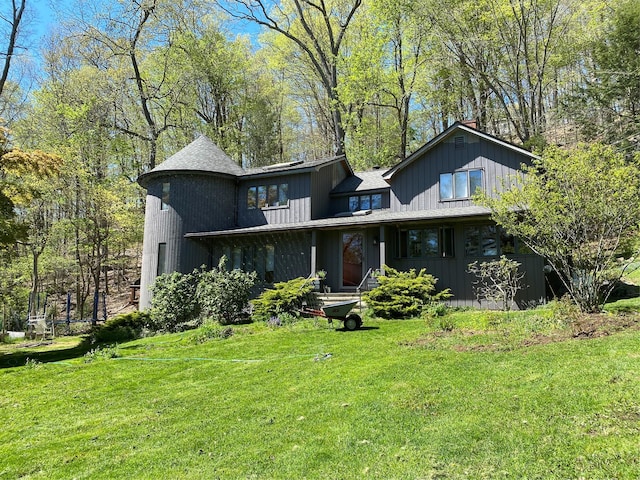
(518, 398)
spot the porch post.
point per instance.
(383, 249)
(313, 252)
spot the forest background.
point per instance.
(115, 87)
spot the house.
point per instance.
(293, 219)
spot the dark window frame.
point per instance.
(253, 258)
(419, 242)
(166, 196)
(162, 259)
(503, 243)
(265, 196)
(356, 202)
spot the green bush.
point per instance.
(104, 352)
(212, 331)
(284, 297)
(224, 295)
(403, 294)
(436, 309)
(565, 310)
(123, 327)
(174, 301)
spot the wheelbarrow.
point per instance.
(337, 311)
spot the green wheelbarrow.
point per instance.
(337, 311)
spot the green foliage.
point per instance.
(403, 294)
(174, 300)
(123, 327)
(102, 352)
(212, 331)
(181, 301)
(497, 281)
(445, 323)
(224, 295)
(607, 105)
(436, 309)
(564, 310)
(575, 208)
(284, 297)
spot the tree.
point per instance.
(129, 42)
(606, 104)
(510, 54)
(227, 92)
(13, 21)
(575, 208)
(318, 28)
(497, 281)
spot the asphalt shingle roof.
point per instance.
(375, 217)
(201, 155)
(362, 181)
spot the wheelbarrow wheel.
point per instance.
(352, 322)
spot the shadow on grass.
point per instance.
(20, 356)
(357, 329)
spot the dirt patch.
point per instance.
(587, 326)
(601, 325)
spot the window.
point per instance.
(273, 195)
(461, 184)
(164, 203)
(162, 258)
(258, 258)
(426, 242)
(262, 196)
(365, 202)
(489, 241)
(480, 241)
(270, 261)
(252, 197)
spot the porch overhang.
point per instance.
(376, 217)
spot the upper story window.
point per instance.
(460, 184)
(164, 203)
(365, 202)
(264, 196)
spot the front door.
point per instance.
(352, 258)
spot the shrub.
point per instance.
(403, 294)
(174, 300)
(123, 327)
(224, 295)
(446, 323)
(284, 297)
(497, 281)
(212, 331)
(104, 352)
(436, 309)
(565, 310)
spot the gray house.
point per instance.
(292, 219)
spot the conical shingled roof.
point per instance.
(201, 155)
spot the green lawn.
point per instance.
(494, 398)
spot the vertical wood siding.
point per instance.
(452, 272)
(416, 187)
(196, 203)
(298, 210)
(322, 183)
(292, 251)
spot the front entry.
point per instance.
(352, 258)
